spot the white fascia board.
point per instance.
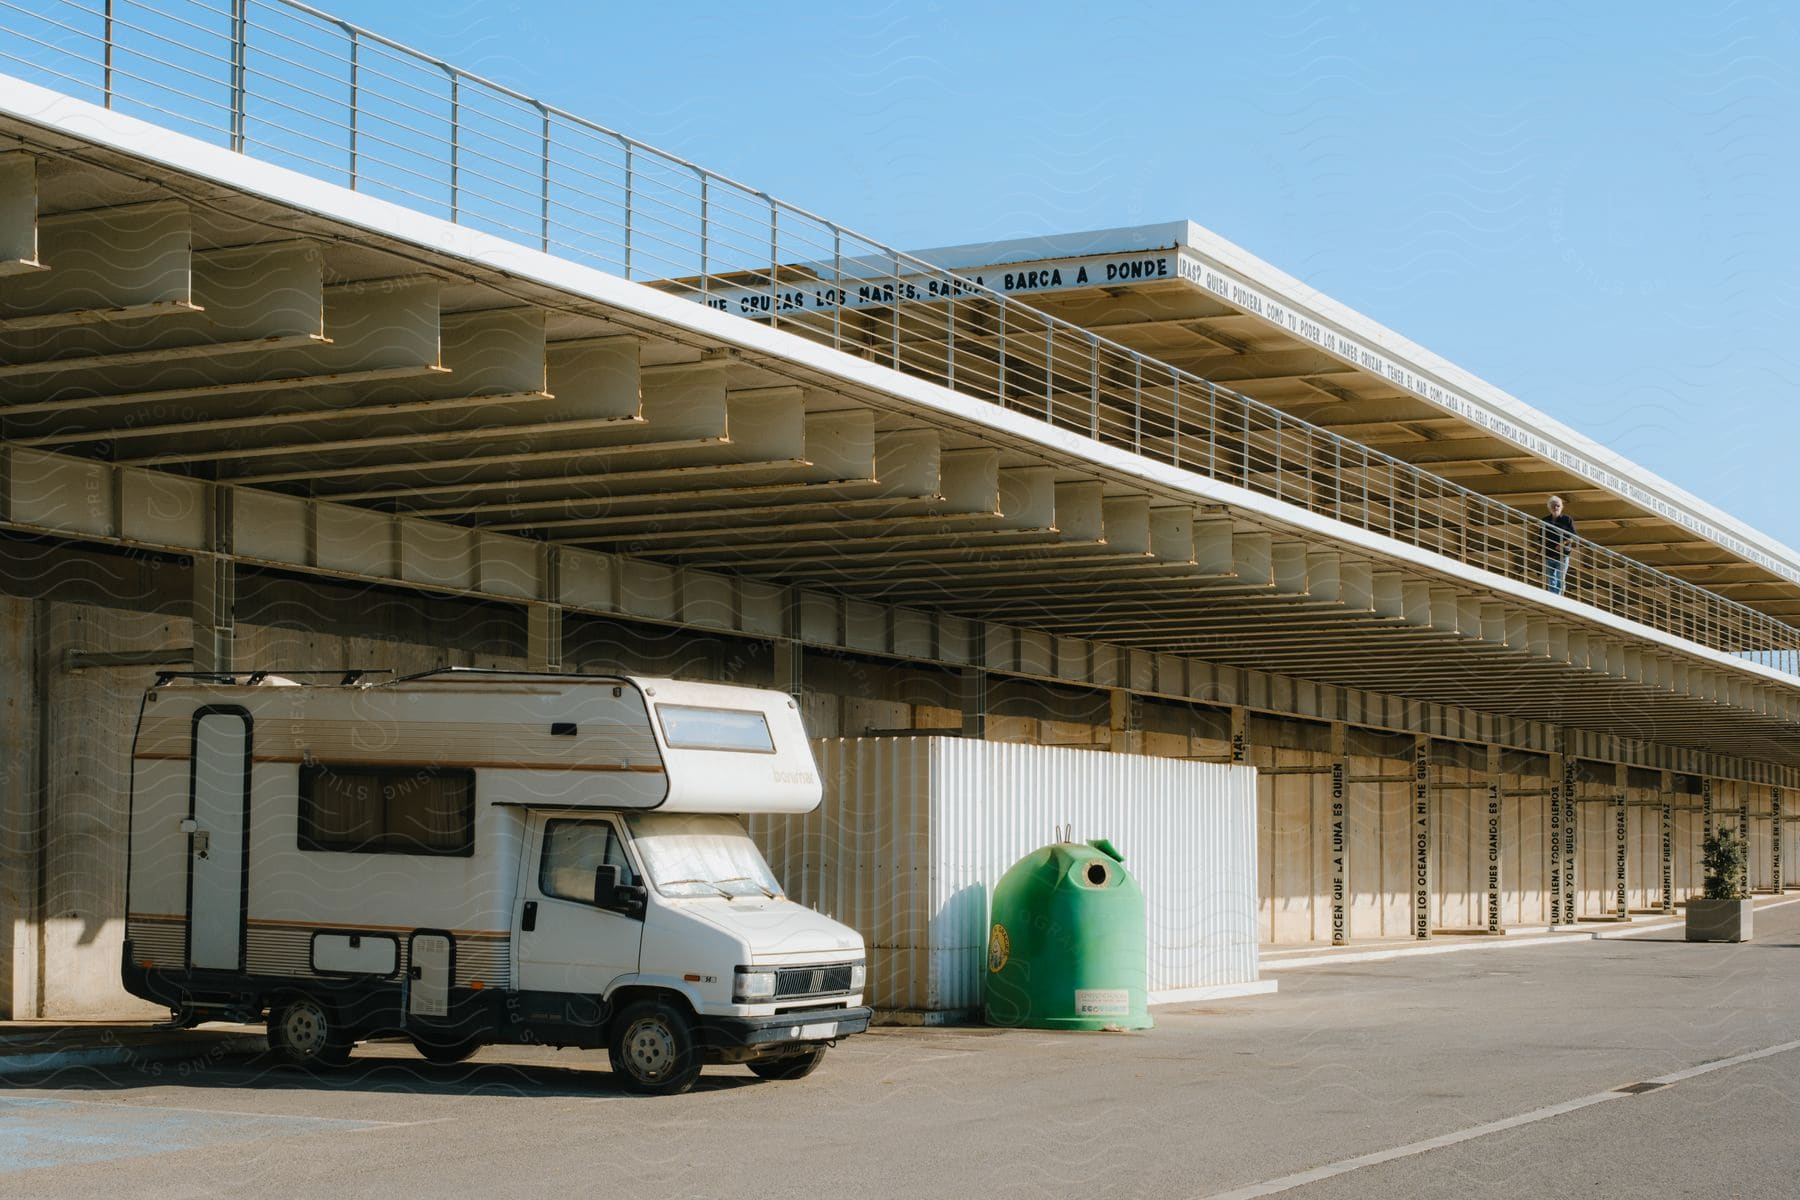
(1169, 235)
(1456, 390)
(82, 121)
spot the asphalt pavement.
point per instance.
(1596, 1068)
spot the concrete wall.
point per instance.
(65, 743)
(72, 832)
(20, 717)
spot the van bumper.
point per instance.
(756, 1033)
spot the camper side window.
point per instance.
(387, 810)
(572, 849)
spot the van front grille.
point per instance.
(792, 983)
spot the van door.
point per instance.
(565, 943)
(218, 837)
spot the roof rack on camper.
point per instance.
(340, 677)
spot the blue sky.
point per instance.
(1590, 205)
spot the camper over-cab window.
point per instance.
(690, 728)
(387, 810)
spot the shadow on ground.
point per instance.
(586, 1076)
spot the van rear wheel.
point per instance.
(434, 1048)
(789, 1066)
(653, 1049)
(303, 1032)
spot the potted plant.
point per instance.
(1724, 914)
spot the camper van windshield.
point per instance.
(690, 728)
(700, 854)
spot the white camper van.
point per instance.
(466, 857)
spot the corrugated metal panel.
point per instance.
(914, 832)
(1187, 830)
(862, 857)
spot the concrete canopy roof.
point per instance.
(1182, 294)
(420, 393)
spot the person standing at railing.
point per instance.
(1559, 545)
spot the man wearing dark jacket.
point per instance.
(1559, 544)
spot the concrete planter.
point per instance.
(1719, 920)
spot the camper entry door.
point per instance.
(218, 838)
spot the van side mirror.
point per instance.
(611, 893)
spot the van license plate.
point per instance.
(827, 1029)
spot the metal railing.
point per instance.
(289, 84)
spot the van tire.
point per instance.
(653, 1050)
(445, 1052)
(789, 1066)
(305, 1032)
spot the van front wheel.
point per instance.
(305, 1033)
(789, 1066)
(653, 1049)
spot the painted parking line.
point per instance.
(1344, 1166)
(47, 1132)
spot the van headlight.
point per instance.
(859, 974)
(751, 986)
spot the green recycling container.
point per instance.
(1066, 949)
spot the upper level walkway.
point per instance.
(448, 318)
(1186, 296)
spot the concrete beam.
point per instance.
(1215, 547)
(260, 303)
(1126, 522)
(120, 263)
(683, 432)
(1253, 558)
(1172, 535)
(55, 494)
(587, 377)
(18, 214)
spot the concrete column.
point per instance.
(1340, 835)
(1571, 838)
(1421, 821)
(1775, 839)
(215, 588)
(215, 599)
(544, 625)
(1621, 841)
(974, 702)
(1668, 841)
(1744, 793)
(544, 637)
(1493, 839)
(24, 671)
(1124, 723)
(789, 669)
(1558, 834)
